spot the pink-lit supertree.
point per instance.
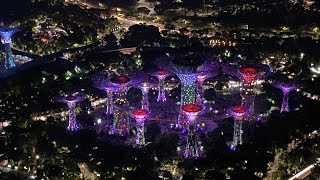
(121, 123)
(71, 101)
(248, 72)
(286, 85)
(144, 82)
(140, 116)
(192, 148)
(237, 113)
(161, 75)
(200, 79)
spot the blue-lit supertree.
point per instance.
(6, 34)
(71, 101)
(248, 72)
(188, 67)
(286, 85)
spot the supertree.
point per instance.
(237, 113)
(200, 79)
(121, 123)
(140, 116)
(161, 75)
(248, 72)
(71, 101)
(188, 67)
(144, 82)
(192, 148)
(101, 81)
(286, 85)
(6, 34)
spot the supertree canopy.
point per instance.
(286, 85)
(122, 84)
(6, 34)
(248, 72)
(101, 81)
(140, 116)
(192, 148)
(71, 101)
(237, 112)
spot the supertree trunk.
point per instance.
(200, 93)
(110, 106)
(72, 117)
(140, 141)
(162, 92)
(145, 100)
(9, 61)
(237, 133)
(285, 102)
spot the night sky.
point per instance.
(13, 9)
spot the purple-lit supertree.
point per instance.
(188, 67)
(144, 82)
(248, 72)
(6, 34)
(121, 123)
(161, 75)
(192, 148)
(200, 79)
(237, 113)
(286, 85)
(101, 81)
(140, 116)
(71, 101)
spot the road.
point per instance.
(130, 22)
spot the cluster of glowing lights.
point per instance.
(315, 69)
(248, 73)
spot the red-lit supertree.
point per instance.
(248, 72)
(286, 85)
(237, 113)
(192, 148)
(140, 116)
(71, 101)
